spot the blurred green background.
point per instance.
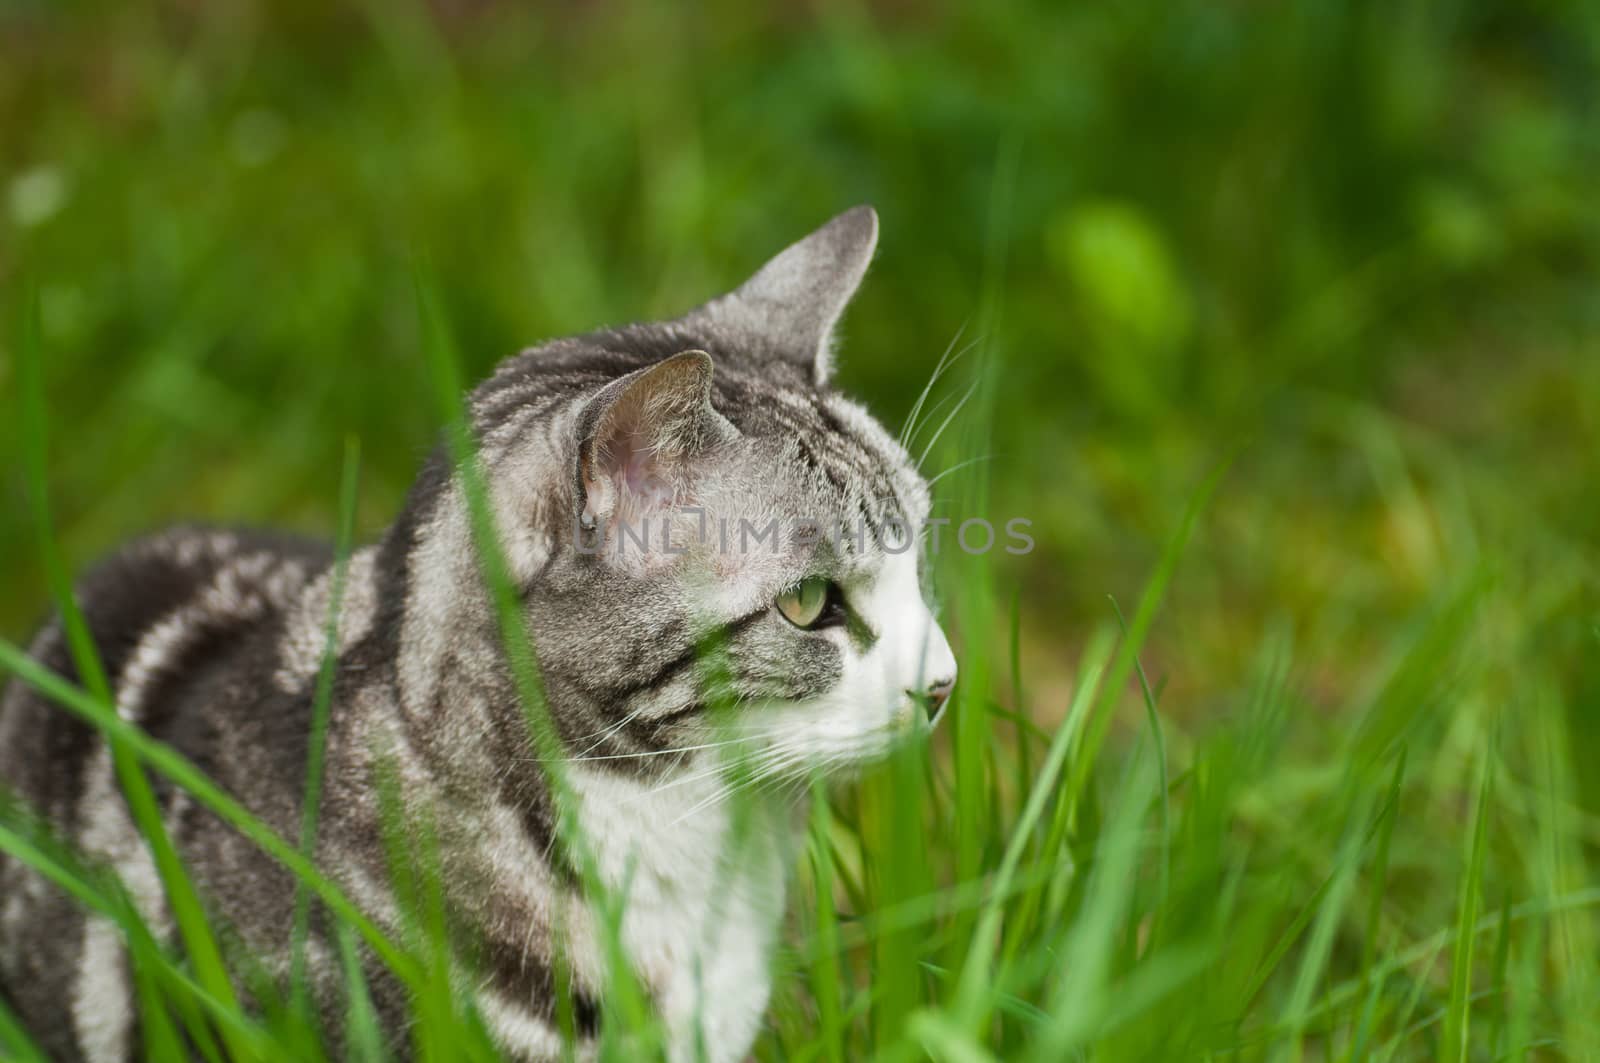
(1359, 238)
(1356, 245)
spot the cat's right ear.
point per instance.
(638, 438)
(793, 303)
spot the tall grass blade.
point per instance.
(183, 900)
(1455, 1045)
(976, 974)
(169, 763)
(627, 1008)
(1153, 716)
(363, 1039)
(828, 980)
(1122, 667)
(151, 968)
(15, 1044)
(321, 699)
(1079, 1000)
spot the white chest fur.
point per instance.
(704, 891)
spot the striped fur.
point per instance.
(720, 420)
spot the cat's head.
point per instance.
(710, 543)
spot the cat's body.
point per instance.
(213, 641)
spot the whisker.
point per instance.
(613, 729)
(681, 780)
(767, 763)
(933, 378)
(717, 797)
(946, 360)
(629, 756)
(958, 467)
(971, 391)
(935, 410)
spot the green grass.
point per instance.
(1323, 793)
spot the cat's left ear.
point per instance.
(639, 435)
(794, 301)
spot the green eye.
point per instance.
(806, 605)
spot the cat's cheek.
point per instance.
(882, 713)
(861, 720)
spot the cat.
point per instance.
(635, 477)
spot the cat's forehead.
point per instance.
(796, 497)
(838, 487)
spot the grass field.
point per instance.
(1281, 324)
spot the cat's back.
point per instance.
(154, 609)
(170, 615)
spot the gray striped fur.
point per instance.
(213, 640)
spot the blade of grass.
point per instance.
(925, 911)
(1080, 997)
(1502, 960)
(1019, 700)
(51, 862)
(182, 898)
(15, 1044)
(175, 767)
(1319, 946)
(975, 974)
(1428, 948)
(826, 973)
(896, 844)
(1314, 904)
(625, 1000)
(1006, 1003)
(1098, 717)
(1413, 682)
(1455, 1044)
(1419, 986)
(942, 1038)
(1153, 980)
(1366, 1023)
(1571, 951)
(363, 1040)
(1122, 667)
(1154, 718)
(1380, 864)
(321, 700)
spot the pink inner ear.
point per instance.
(637, 473)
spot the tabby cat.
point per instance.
(636, 477)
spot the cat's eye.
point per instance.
(812, 603)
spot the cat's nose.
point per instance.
(937, 694)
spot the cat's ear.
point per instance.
(793, 302)
(639, 435)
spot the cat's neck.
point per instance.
(682, 828)
(700, 871)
